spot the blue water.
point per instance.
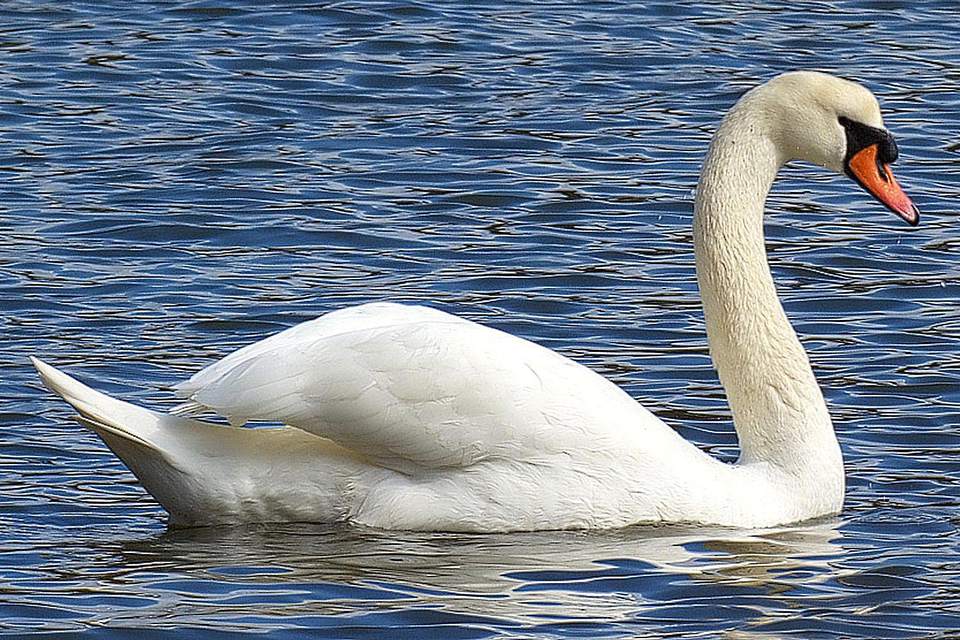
(179, 179)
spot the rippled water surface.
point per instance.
(179, 179)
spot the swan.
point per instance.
(406, 417)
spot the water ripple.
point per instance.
(182, 179)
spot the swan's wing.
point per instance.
(413, 387)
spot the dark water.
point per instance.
(179, 179)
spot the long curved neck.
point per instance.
(778, 409)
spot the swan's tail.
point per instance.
(205, 474)
(113, 420)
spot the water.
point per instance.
(184, 178)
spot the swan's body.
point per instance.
(409, 418)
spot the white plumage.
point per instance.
(416, 389)
(407, 417)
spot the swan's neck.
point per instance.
(778, 409)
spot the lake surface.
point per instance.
(182, 178)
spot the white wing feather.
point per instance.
(413, 388)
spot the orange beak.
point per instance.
(877, 179)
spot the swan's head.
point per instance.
(837, 124)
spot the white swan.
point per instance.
(405, 417)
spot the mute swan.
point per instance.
(405, 417)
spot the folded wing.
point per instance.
(413, 388)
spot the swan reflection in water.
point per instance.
(310, 570)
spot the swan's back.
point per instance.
(415, 388)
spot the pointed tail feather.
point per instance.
(206, 474)
(102, 412)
